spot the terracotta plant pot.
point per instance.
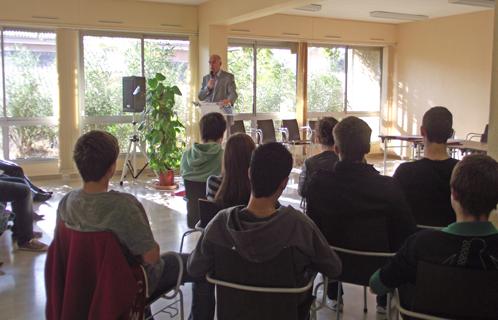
(167, 178)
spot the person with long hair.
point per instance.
(233, 187)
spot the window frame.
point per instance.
(255, 45)
(6, 121)
(114, 119)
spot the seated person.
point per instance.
(426, 182)
(354, 188)
(95, 208)
(19, 194)
(204, 159)
(259, 231)
(324, 160)
(10, 169)
(474, 194)
(233, 187)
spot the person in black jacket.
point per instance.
(324, 160)
(470, 242)
(426, 182)
(353, 189)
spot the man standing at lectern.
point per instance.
(218, 86)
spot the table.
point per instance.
(465, 146)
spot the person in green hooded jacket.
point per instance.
(204, 159)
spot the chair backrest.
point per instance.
(484, 137)
(366, 234)
(87, 276)
(455, 292)
(312, 124)
(278, 272)
(292, 128)
(207, 211)
(268, 129)
(238, 127)
(194, 191)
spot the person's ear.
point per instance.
(283, 184)
(423, 132)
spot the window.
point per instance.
(108, 58)
(265, 74)
(29, 114)
(345, 80)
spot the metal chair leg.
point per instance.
(365, 307)
(388, 305)
(339, 300)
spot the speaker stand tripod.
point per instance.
(130, 162)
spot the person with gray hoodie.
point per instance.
(258, 232)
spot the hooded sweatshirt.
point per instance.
(201, 161)
(262, 239)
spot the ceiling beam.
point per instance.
(228, 12)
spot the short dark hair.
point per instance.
(325, 127)
(270, 164)
(94, 153)
(213, 126)
(352, 136)
(474, 183)
(438, 124)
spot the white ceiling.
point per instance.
(360, 9)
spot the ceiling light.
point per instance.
(311, 7)
(477, 3)
(398, 16)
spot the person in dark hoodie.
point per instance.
(258, 231)
(204, 159)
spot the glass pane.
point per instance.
(33, 142)
(30, 74)
(122, 132)
(171, 58)
(326, 79)
(374, 124)
(276, 80)
(106, 61)
(241, 64)
(2, 113)
(364, 79)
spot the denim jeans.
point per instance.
(203, 301)
(19, 194)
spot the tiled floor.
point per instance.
(22, 288)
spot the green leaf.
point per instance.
(160, 77)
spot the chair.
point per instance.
(312, 124)
(263, 291)
(266, 130)
(237, 127)
(207, 211)
(361, 255)
(291, 132)
(448, 292)
(84, 271)
(483, 137)
(194, 191)
(175, 292)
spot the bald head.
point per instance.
(214, 63)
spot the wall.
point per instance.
(446, 62)
(126, 15)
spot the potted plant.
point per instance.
(161, 129)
